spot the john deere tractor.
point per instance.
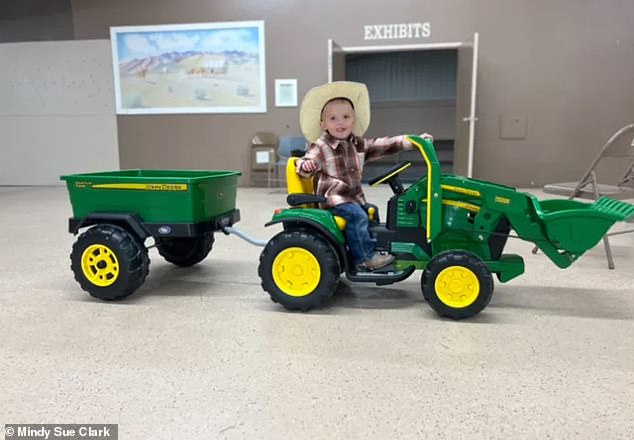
(452, 228)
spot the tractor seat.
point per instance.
(301, 194)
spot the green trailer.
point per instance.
(179, 209)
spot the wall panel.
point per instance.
(56, 111)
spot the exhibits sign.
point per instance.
(396, 31)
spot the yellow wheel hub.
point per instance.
(100, 265)
(296, 271)
(457, 286)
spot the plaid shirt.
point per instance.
(340, 164)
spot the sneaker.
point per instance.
(377, 261)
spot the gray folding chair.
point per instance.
(590, 186)
(286, 146)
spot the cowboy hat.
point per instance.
(317, 97)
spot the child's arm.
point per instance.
(384, 146)
(310, 163)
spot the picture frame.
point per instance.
(189, 68)
(286, 92)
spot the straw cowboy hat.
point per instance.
(317, 97)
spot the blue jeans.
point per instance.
(358, 238)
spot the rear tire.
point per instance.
(109, 262)
(457, 284)
(299, 270)
(185, 251)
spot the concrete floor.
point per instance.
(202, 353)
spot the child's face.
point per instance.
(338, 119)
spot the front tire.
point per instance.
(457, 284)
(299, 270)
(185, 251)
(109, 262)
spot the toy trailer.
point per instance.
(180, 209)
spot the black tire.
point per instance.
(299, 270)
(185, 251)
(115, 262)
(471, 289)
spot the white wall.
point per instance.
(57, 112)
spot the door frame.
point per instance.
(471, 118)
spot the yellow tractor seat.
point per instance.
(302, 191)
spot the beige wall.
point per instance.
(565, 66)
(57, 112)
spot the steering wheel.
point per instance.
(391, 177)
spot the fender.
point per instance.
(298, 222)
(132, 220)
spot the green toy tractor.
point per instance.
(452, 228)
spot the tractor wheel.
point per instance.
(299, 270)
(109, 262)
(185, 251)
(457, 284)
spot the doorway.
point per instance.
(416, 88)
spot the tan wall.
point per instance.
(565, 66)
(57, 112)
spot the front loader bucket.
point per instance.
(575, 227)
(618, 209)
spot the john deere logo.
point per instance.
(143, 186)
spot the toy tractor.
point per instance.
(452, 228)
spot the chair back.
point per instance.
(619, 145)
(289, 143)
(615, 159)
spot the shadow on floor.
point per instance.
(564, 301)
(369, 296)
(235, 279)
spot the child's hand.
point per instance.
(308, 166)
(427, 136)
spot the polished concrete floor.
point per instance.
(202, 353)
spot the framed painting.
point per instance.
(189, 68)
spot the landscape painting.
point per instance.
(192, 68)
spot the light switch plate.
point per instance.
(513, 126)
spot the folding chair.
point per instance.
(286, 147)
(589, 187)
